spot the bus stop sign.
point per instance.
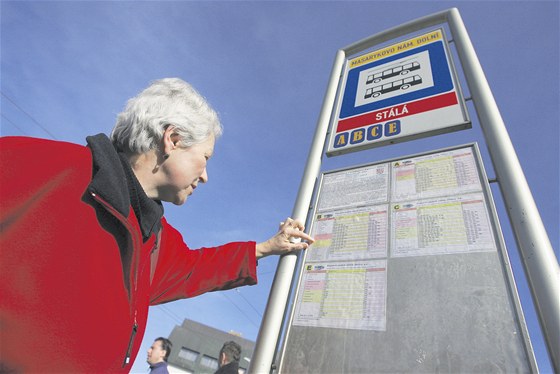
(401, 92)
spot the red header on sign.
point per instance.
(398, 111)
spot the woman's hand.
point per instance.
(290, 237)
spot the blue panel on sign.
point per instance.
(389, 81)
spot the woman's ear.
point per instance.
(169, 141)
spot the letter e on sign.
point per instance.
(392, 128)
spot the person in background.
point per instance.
(158, 354)
(85, 246)
(228, 360)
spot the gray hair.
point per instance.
(170, 101)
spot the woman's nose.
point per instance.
(204, 176)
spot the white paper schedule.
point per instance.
(350, 234)
(447, 225)
(445, 173)
(349, 295)
(364, 186)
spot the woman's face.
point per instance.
(184, 170)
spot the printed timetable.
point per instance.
(441, 226)
(350, 234)
(349, 295)
(445, 173)
(364, 186)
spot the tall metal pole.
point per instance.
(537, 255)
(272, 320)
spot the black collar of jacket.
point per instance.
(229, 368)
(114, 180)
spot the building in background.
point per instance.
(196, 348)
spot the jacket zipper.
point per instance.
(134, 269)
(130, 343)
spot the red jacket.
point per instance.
(76, 277)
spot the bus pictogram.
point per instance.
(399, 70)
(401, 84)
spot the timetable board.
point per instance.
(408, 273)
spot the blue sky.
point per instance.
(67, 69)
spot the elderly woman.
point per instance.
(85, 248)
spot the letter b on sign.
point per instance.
(357, 136)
